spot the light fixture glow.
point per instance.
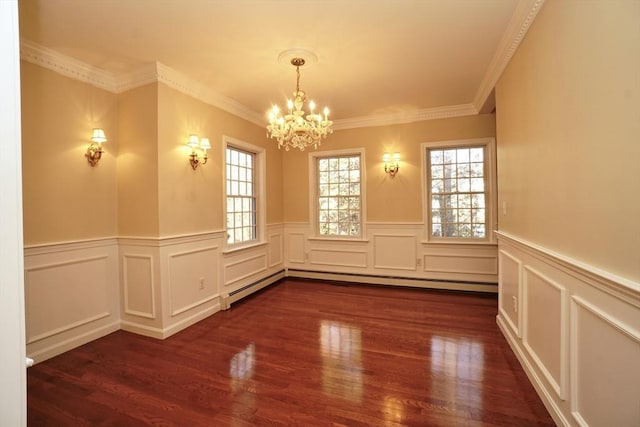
(196, 143)
(94, 151)
(296, 128)
(391, 164)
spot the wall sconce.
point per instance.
(196, 143)
(94, 152)
(391, 164)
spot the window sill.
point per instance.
(459, 242)
(242, 247)
(339, 239)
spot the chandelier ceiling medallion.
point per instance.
(296, 128)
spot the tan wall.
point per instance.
(138, 162)
(191, 201)
(568, 124)
(397, 199)
(64, 198)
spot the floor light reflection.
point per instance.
(241, 370)
(340, 346)
(457, 367)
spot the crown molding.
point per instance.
(66, 65)
(143, 75)
(521, 20)
(184, 84)
(406, 117)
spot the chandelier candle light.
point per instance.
(296, 128)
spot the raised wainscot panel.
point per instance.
(62, 296)
(192, 278)
(509, 289)
(460, 263)
(275, 249)
(544, 331)
(338, 258)
(605, 368)
(243, 267)
(138, 285)
(295, 246)
(394, 252)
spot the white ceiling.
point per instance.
(376, 58)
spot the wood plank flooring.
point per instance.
(300, 353)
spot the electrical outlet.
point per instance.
(202, 283)
(418, 262)
(515, 303)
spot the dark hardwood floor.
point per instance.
(300, 353)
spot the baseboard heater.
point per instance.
(414, 282)
(246, 290)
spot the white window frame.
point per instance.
(259, 189)
(313, 192)
(490, 186)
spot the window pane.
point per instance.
(457, 192)
(338, 193)
(241, 200)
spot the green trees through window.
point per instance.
(457, 192)
(339, 196)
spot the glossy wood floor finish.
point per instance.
(300, 353)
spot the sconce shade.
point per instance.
(205, 144)
(98, 136)
(193, 142)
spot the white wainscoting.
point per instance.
(246, 270)
(76, 292)
(71, 295)
(391, 254)
(169, 283)
(576, 332)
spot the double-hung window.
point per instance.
(459, 185)
(243, 204)
(337, 182)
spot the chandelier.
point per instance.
(296, 128)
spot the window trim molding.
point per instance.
(313, 193)
(260, 189)
(490, 189)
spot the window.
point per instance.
(339, 200)
(459, 181)
(242, 202)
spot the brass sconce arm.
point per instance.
(94, 154)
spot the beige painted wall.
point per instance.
(144, 185)
(64, 197)
(397, 199)
(191, 200)
(568, 125)
(138, 162)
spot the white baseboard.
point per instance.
(229, 299)
(158, 333)
(534, 379)
(394, 281)
(76, 341)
